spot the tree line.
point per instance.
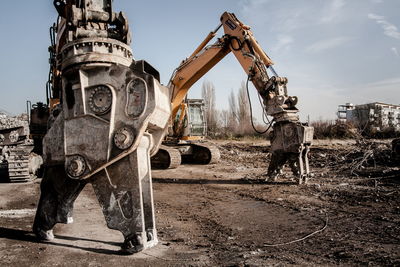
(232, 122)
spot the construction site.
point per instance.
(114, 166)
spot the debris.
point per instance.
(353, 160)
(15, 149)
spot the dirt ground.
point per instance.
(226, 215)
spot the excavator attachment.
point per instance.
(112, 118)
(290, 145)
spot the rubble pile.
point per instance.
(245, 154)
(369, 158)
(364, 158)
(16, 161)
(7, 122)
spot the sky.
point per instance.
(332, 51)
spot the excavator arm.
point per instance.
(291, 139)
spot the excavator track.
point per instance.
(166, 158)
(202, 153)
(18, 164)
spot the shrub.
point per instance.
(334, 129)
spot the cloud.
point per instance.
(330, 96)
(375, 17)
(384, 83)
(290, 16)
(389, 29)
(394, 50)
(333, 11)
(328, 44)
(284, 42)
(386, 90)
(377, 1)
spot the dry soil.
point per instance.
(226, 215)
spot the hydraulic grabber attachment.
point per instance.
(112, 116)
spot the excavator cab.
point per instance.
(194, 124)
(197, 124)
(190, 123)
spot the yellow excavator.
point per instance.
(238, 39)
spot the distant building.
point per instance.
(376, 115)
(342, 111)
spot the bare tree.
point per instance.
(224, 119)
(233, 113)
(243, 111)
(235, 120)
(208, 94)
(224, 123)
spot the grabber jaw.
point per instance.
(124, 191)
(138, 242)
(303, 166)
(290, 145)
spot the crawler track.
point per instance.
(204, 153)
(166, 158)
(170, 157)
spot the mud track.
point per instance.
(225, 215)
